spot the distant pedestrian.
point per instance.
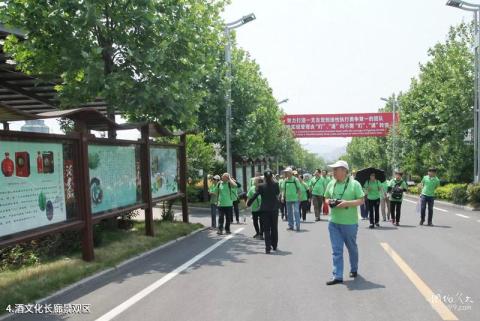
(372, 189)
(225, 202)
(291, 195)
(304, 199)
(396, 188)
(429, 184)
(317, 189)
(385, 202)
(256, 213)
(269, 191)
(213, 192)
(344, 194)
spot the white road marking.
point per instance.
(440, 209)
(142, 294)
(409, 201)
(478, 221)
(464, 216)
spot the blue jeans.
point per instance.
(343, 234)
(424, 201)
(213, 212)
(293, 212)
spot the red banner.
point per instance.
(340, 125)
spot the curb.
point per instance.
(461, 207)
(116, 267)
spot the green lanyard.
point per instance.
(346, 185)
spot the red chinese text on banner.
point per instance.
(340, 125)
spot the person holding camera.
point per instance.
(225, 202)
(396, 188)
(343, 195)
(269, 191)
(256, 214)
(213, 192)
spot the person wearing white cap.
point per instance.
(291, 195)
(343, 194)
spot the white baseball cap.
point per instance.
(288, 169)
(216, 177)
(340, 163)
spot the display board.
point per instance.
(31, 186)
(164, 167)
(113, 177)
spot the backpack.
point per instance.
(397, 191)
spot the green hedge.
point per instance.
(456, 193)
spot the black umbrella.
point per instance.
(364, 175)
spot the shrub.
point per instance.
(460, 195)
(194, 193)
(473, 192)
(452, 192)
(414, 190)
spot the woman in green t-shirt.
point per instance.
(304, 200)
(372, 189)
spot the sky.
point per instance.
(339, 56)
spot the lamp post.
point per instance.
(228, 60)
(394, 131)
(475, 8)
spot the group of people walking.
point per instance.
(340, 196)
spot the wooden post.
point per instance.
(183, 176)
(246, 185)
(84, 193)
(205, 187)
(6, 125)
(146, 181)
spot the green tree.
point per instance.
(146, 58)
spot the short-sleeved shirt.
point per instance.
(348, 190)
(401, 184)
(213, 197)
(289, 188)
(258, 201)
(318, 184)
(430, 184)
(373, 190)
(384, 189)
(225, 194)
(303, 189)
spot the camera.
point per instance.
(334, 202)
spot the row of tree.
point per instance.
(435, 113)
(156, 60)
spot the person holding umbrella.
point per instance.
(372, 189)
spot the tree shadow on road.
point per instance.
(361, 284)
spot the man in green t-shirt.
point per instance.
(372, 189)
(291, 195)
(213, 192)
(396, 188)
(256, 214)
(225, 202)
(429, 184)
(304, 202)
(317, 189)
(343, 194)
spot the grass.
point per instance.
(28, 284)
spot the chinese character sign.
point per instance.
(340, 125)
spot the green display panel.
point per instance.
(113, 177)
(164, 171)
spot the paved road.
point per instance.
(235, 280)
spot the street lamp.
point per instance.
(394, 132)
(228, 60)
(475, 8)
(282, 101)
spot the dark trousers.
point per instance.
(270, 225)
(374, 211)
(237, 212)
(283, 209)
(213, 213)
(304, 205)
(225, 215)
(364, 209)
(257, 218)
(424, 201)
(395, 210)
